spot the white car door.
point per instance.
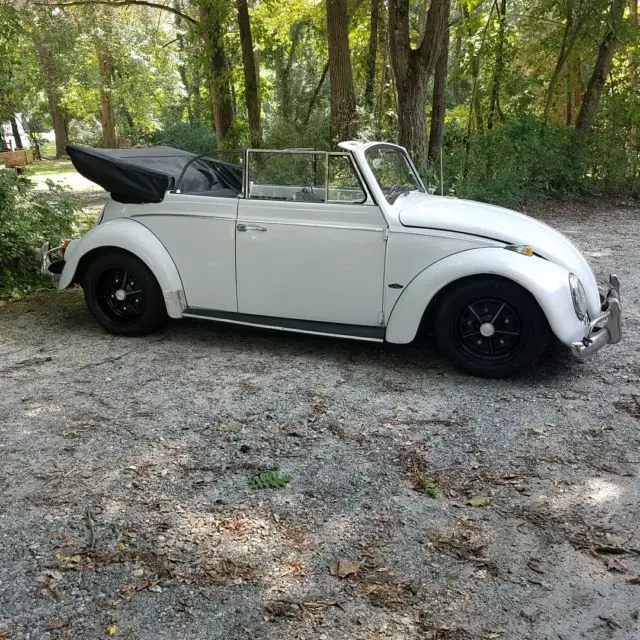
(312, 248)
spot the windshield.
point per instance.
(393, 171)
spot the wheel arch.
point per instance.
(545, 281)
(426, 322)
(129, 237)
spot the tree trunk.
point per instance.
(498, 69)
(373, 52)
(412, 69)
(457, 60)
(569, 95)
(59, 123)
(343, 97)
(48, 69)
(633, 67)
(211, 22)
(105, 68)
(251, 74)
(315, 94)
(436, 132)
(16, 132)
(606, 50)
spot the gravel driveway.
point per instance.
(422, 503)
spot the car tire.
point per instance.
(123, 295)
(491, 327)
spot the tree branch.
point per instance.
(121, 3)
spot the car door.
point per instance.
(310, 244)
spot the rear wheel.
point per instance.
(123, 295)
(491, 327)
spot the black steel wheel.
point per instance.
(491, 327)
(123, 295)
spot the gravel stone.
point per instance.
(125, 501)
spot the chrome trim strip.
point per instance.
(314, 224)
(183, 215)
(277, 328)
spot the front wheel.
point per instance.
(123, 295)
(491, 327)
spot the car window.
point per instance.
(343, 182)
(290, 176)
(304, 176)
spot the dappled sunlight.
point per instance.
(594, 491)
(600, 490)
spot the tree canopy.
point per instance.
(512, 98)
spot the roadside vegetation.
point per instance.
(503, 101)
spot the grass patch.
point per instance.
(49, 167)
(269, 480)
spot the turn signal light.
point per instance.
(64, 246)
(524, 249)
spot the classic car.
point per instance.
(347, 244)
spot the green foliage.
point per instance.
(428, 486)
(517, 163)
(269, 480)
(28, 219)
(197, 138)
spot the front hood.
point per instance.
(488, 221)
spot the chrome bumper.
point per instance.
(606, 328)
(52, 261)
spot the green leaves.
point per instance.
(269, 480)
(29, 218)
(477, 501)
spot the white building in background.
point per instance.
(7, 134)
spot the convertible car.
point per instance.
(347, 244)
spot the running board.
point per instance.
(332, 329)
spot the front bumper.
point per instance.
(607, 327)
(52, 260)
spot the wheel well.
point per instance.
(90, 256)
(426, 323)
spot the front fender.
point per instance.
(127, 234)
(546, 281)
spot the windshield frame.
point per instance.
(400, 151)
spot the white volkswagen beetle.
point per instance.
(344, 244)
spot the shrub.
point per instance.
(197, 138)
(28, 219)
(519, 162)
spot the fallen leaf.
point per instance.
(156, 588)
(56, 575)
(111, 630)
(369, 588)
(615, 565)
(345, 568)
(635, 580)
(477, 501)
(58, 624)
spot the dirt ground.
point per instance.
(421, 502)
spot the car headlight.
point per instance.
(578, 295)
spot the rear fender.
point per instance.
(546, 281)
(131, 236)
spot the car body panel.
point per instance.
(374, 266)
(311, 261)
(546, 281)
(479, 219)
(199, 234)
(131, 236)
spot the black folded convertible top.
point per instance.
(145, 175)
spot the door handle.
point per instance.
(249, 227)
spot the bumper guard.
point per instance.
(607, 327)
(52, 261)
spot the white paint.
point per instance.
(334, 262)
